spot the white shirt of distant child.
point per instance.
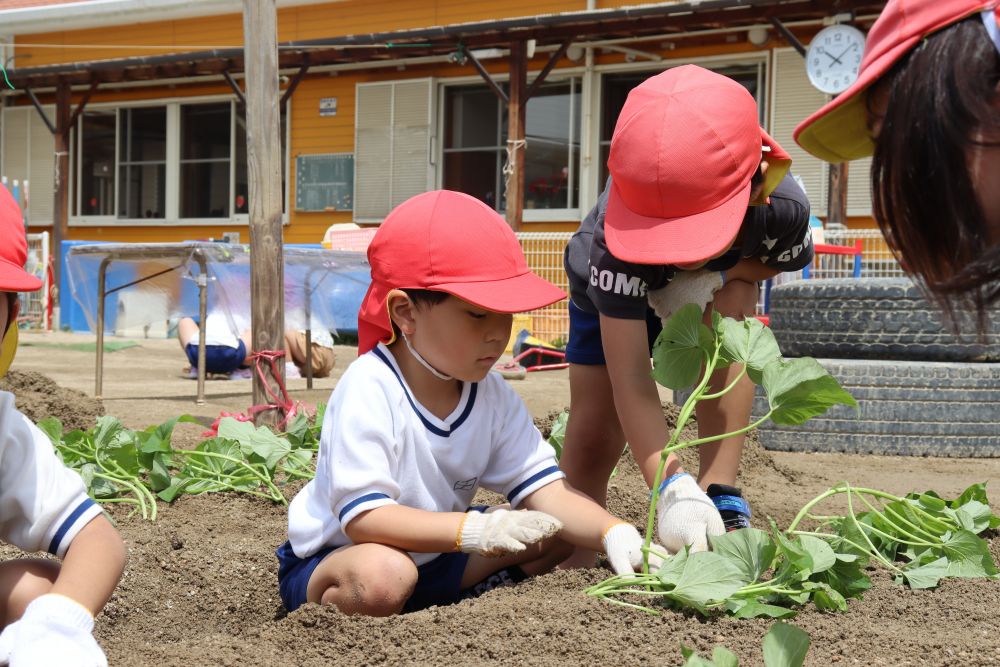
(222, 328)
(379, 446)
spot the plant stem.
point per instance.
(277, 496)
(715, 438)
(709, 397)
(875, 553)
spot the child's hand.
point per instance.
(501, 532)
(54, 630)
(623, 546)
(686, 515)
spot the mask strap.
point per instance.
(423, 362)
(990, 19)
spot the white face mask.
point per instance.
(423, 362)
(990, 19)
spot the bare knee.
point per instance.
(21, 581)
(376, 584)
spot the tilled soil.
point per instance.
(39, 396)
(200, 587)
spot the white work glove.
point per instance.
(501, 532)
(54, 630)
(623, 547)
(685, 515)
(697, 287)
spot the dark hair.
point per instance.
(923, 198)
(421, 298)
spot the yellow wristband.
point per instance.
(458, 537)
(608, 529)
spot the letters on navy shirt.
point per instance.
(777, 234)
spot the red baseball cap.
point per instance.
(454, 243)
(685, 147)
(838, 132)
(13, 248)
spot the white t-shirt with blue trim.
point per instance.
(43, 504)
(379, 446)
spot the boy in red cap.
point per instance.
(48, 609)
(418, 423)
(926, 106)
(673, 226)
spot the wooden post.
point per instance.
(60, 209)
(267, 289)
(516, 102)
(836, 206)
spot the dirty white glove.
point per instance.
(697, 287)
(501, 532)
(685, 515)
(623, 546)
(54, 630)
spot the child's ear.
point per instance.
(401, 311)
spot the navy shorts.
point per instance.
(218, 358)
(585, 345)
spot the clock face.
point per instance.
(834, 56)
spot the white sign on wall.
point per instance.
(328, 106)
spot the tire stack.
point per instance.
(921, 390)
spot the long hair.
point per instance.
(940, 95)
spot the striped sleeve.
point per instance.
(522, 461)
(43, 504)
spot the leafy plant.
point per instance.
(119, 465)
(752, 572)
(784, 646)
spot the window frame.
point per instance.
(173, 166)
(577, 171)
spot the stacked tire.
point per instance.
(921, 390)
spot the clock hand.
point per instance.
(835, 58)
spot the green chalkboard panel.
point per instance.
(324, 182)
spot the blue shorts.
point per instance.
(585, 346)
(218, 358)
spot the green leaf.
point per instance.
(755, 609)
(845, 577)
(705, 577)
(105, 431)
(723, 657)
(558, 433)
(692, 659)
(751, 550)
(926, 576)
(748, 342)
(798, 563)
(974, 516)
(680, 349)
(52, 427)
(260, 441)
(827, 599)
(799, 389)
(822, 555)
(785, 646)
(968, 556)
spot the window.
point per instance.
(182, 161)
(142, 163)
(616, 87)
(475, 145)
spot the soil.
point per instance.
(38, 397)
(200, 587)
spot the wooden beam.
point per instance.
(515, 133)
(83, 103)
(836, 206)
(267, 282)
(235, 86)
(60, 211)
(540, 79)
(294, 83)
(497, 90)
(41, 112)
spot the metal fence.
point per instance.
(35, 310)
(544, 253)
(876, 258)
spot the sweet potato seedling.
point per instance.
(751, 572)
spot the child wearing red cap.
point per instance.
(48, 609)
(926, 106)
(673, 226)
(418, 423)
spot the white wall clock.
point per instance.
(833, 57)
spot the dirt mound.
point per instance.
(39, 397)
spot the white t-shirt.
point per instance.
(380, 447)
(43, 504)
(219, 330)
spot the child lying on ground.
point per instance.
(47, 610)
(417, 424)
